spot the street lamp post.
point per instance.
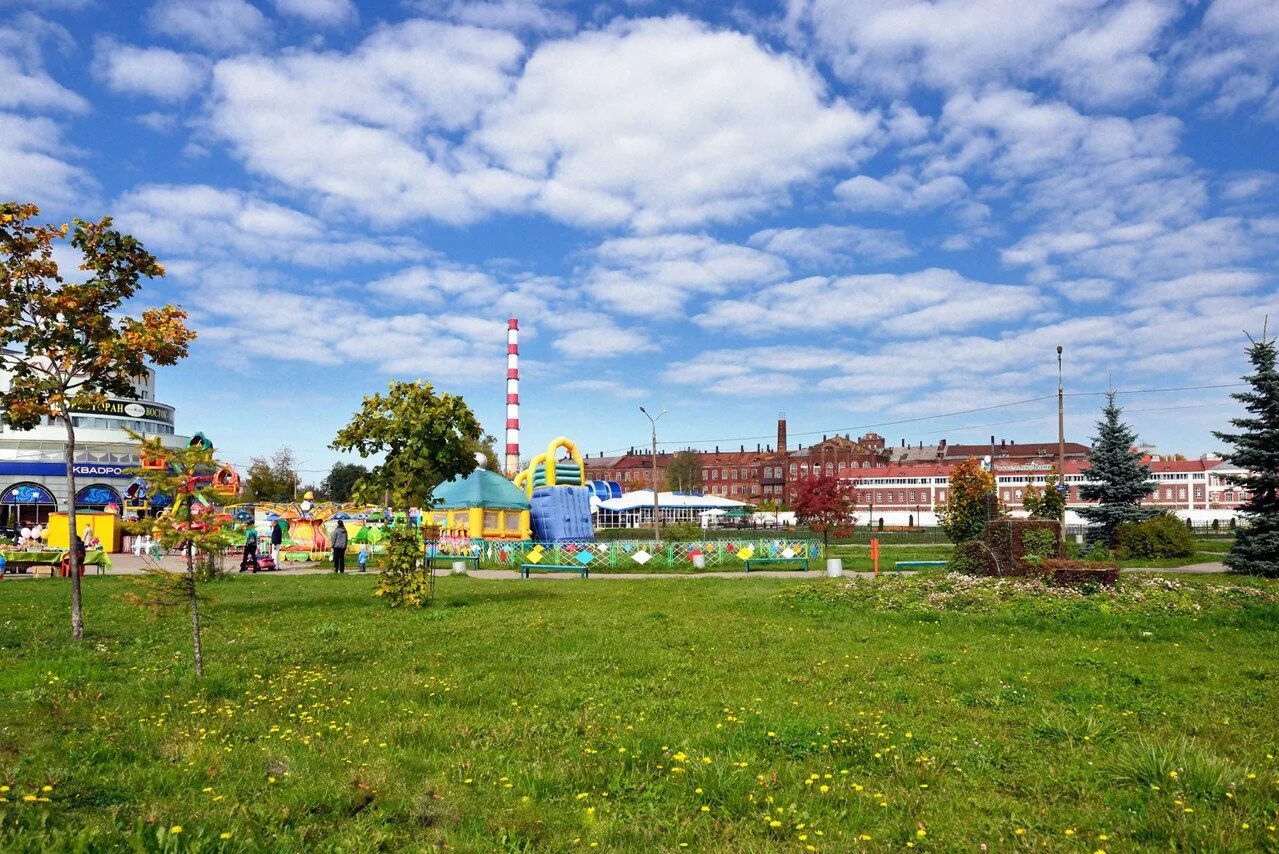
(1061, 442)
(657, 533)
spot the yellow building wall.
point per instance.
(106, 527)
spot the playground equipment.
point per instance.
(482, 505)
(558, 498)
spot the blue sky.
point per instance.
(855, 213)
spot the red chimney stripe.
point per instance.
(512, 349)
(512, 449)
(512, 373)
(513, 323)
(512, 398)
(512, 424)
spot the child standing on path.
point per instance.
(363, 559)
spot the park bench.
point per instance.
(450, 559)
(580, 569)
(910, 563)
(782, 560)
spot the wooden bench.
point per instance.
(580, 569)
(899, 564)
(782, 560)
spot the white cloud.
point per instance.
(438, 284)
(154, 71)
(658, 134)
(899, 193)
(1146, 250)
(656, 275)
(324, 13)
(26, 84)
(213, 222)
(833, 245)
(1096, 51)
(612, 388)
(1232, 60)
(501, 14)
(223, 26)
(907, 305)
(32, 167)
(363, 130)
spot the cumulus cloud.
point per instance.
(1098, 52)
(833, 245)
(640, 124)
(324, 13)
(1232, 60)
(32, 164)
(906, 305)
(516, 15)
(214, 222)
(26, 83)
(221, 26)
(657, 274)
(363, 130)
(154, 71)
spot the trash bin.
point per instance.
(834, 567)
(699, 561)
(459, 567)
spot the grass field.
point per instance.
(661, 715)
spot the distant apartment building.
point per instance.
(921, 488)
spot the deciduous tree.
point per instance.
(971, 502)
(683, 472)
(826, 505)
(191, 524)
(67, 344)
(274, 479)
(1116, 478)
(424, 439)
(1046, 503)
(1256, 451)
(340, 482)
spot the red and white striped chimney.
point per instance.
(512, 397)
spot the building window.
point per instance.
(879, 496)
(793, 468)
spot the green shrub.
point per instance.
(404, 580)
(683, 532)
(1038, 544)
(1160, 536)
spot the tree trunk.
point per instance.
(77, 614)
(195, 610)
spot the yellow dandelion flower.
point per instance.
(177, 828)
(224, 835)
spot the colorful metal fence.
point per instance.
(642, 554)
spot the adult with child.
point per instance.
(250, 555)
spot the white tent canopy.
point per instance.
(643, 499)
(634, 509)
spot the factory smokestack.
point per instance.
(512, 397)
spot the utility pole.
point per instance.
(657, 531)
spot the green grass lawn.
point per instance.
(668, 715)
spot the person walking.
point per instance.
(277, 540)
(250, 555)
(339, 548)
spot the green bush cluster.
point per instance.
(1160, 536)
(1031, 596)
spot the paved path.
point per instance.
(1192, 569)
(127, 564)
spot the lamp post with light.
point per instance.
(657, 534)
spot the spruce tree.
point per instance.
(1119, 479)
(1256, 548)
